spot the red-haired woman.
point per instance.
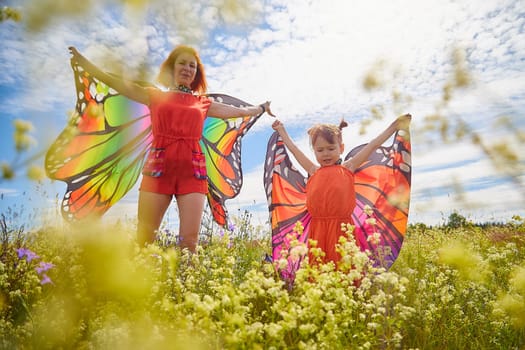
(177, 117)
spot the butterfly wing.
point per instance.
(285, 190)
(382, 184)
(100, 153)
(221, 144)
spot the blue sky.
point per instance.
(310, 59)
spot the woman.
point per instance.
(330, 193)
(175, 166)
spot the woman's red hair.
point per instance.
(165, 76)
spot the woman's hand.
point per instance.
(77, 56)
(266, 106)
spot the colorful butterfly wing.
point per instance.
(101, 151)
(382, 186)
(285, 190)
(221, 144)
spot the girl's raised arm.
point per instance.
(303, 160)
(126, 88)
(401, 122)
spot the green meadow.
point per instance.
(456, 286)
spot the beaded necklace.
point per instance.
(181, 88)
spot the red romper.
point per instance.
(330, 200)
(177, 121)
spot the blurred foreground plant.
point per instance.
(22, 141)
(9, 13)
(446, 126)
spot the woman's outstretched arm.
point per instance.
(125, 87)
(223, 111)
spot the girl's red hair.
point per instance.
(329, 132)
(165, 76)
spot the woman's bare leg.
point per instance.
(191, 206)
(152, 207)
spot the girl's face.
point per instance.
(185, 69)
(327, 153)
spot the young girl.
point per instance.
(330, 195)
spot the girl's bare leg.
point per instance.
(152, 207)
(191, 207)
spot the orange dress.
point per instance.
(177, 121)
(330, 200)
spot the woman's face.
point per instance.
(327, 153)
(185, 69)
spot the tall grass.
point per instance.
(451, 288)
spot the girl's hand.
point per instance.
(277, 125)
(403, 122)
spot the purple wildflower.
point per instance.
(231, 226)
(43, 267)
(21, 252)
(45, 279)
(27, 253)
